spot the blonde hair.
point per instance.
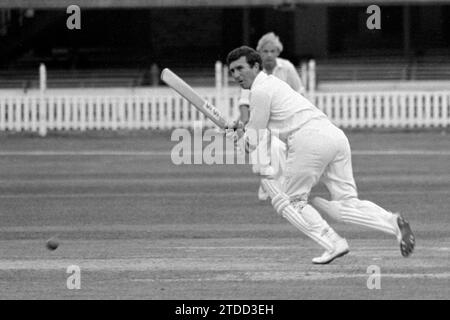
(269, 38)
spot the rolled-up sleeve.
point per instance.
(244, 98)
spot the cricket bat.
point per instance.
(186, 91)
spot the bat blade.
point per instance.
(187, 92)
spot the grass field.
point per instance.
(140, 227)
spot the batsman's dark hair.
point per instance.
(250, 54)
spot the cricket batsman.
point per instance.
(270, 47)
(316, 151)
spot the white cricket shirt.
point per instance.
(285, 71)
(276, 106)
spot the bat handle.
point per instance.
(235, 125)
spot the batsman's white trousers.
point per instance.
(320, 151)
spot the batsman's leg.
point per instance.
(309, 151)
(305, 218)
(345, 205)
(278, 159)
(368, 214)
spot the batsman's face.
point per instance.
(269, 53)
(243, 73)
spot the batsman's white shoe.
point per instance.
(408, 241)
(340, 249)
(262, 194)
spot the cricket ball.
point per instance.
(52, 244)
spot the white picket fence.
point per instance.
(386, 109)
(164, 109)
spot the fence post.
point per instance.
(311, 77)
(219, 79)
(226, 93)
(42, 106)
(304, 75)
(154, 74)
